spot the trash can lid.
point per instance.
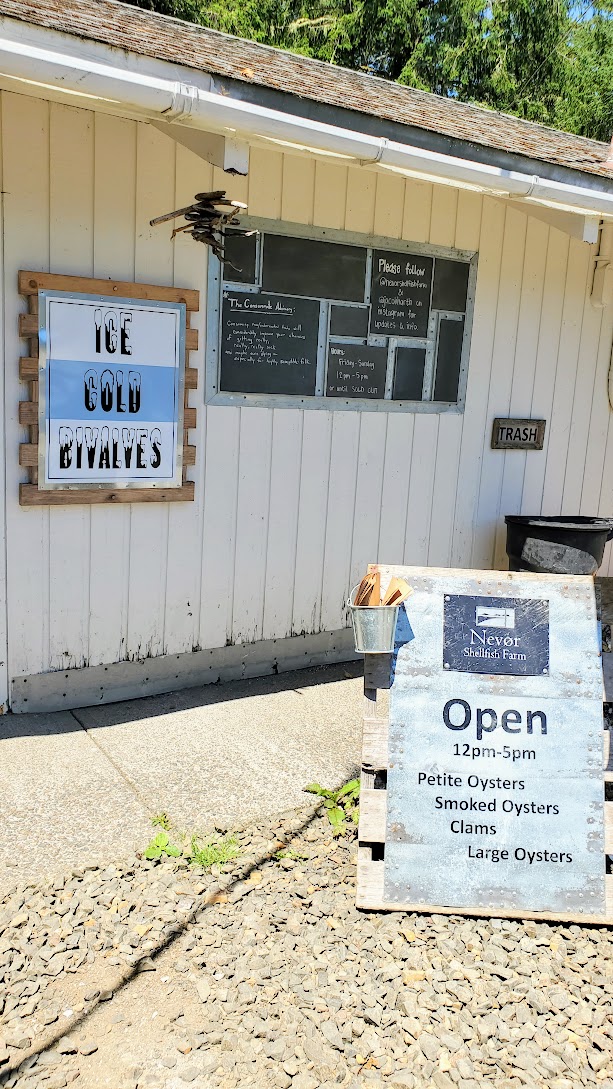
(569, 521)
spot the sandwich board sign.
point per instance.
(495, 796)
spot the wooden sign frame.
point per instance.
(373, 811)
(29, 284)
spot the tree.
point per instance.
(544, 60)
(503, 54)
(587, 108)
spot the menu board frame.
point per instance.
(216, 394)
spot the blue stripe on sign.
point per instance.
(67, 390)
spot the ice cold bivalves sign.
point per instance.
(111, 398)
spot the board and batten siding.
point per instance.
(290, 504)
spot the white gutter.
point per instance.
(161, 99)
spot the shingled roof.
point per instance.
(153, 35)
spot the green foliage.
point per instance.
(206, 854)
(587, 106)
(213, 852)
(502, 54)
(340, 805)
(293, 856)
(160, 847)
(544, 60)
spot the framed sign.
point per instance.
(518, 434)
(108, 408)
(483, 790)
(317, 318)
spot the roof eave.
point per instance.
(411, 135)
(165, 92)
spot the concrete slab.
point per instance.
(63, 803)
(79, 787)
(223, 755)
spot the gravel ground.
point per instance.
(265, 975)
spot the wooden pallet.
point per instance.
(373, 812)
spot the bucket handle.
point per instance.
(350, 604)
(352, 594)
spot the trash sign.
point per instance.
(494, 790)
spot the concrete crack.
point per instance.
(138, 794)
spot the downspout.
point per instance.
(602, 285)
(177, 102)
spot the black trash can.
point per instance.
(570, 545)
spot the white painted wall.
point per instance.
(286, 513)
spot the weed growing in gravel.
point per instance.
(294, 856)
(160, 846)
(341, 805)
(212, 853)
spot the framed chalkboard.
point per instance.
(331, 317)
(409, 374)
(349, 321)
(450, 288)
(356, 370)
(401, 284)
(304, 266)
(240, 257)
(268, 344)
(448, 360)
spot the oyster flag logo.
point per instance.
(500, 635)
(494, 618)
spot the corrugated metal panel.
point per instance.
(290, 504)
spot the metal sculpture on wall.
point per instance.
(206, 219)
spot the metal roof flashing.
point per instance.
(411, 135)
(146, 34)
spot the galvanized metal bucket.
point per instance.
(374, 626)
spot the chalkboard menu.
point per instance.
(401, 285)
(355, 370)
(377, 317)
(268, 343)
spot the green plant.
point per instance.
(295, 856)
(212, 853)
(159, 846)
(162, 820)
(341, 805)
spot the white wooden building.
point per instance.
(112, 116)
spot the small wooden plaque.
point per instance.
(511, 434)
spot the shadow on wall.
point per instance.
(112, 714)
